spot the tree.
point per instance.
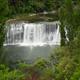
(67, 19)
(4, 11)
(68, 56)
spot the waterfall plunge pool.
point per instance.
(25, 53)
(30, 41)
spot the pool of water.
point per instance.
(25, 53)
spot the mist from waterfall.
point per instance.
(33, 34)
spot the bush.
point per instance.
(76, 74)
(7, 74)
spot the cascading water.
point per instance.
(33, 34)
(29, 41)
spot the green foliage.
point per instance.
(2, 39)
(49, 5)
(65, 68)
(47, 74)
(7, 74)
(31, 6)
(39, 70)
(4, 10)
(69, 17)
(76, 75)
(2, 34)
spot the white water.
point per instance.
(33, 34)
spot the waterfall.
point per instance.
(33, 34)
